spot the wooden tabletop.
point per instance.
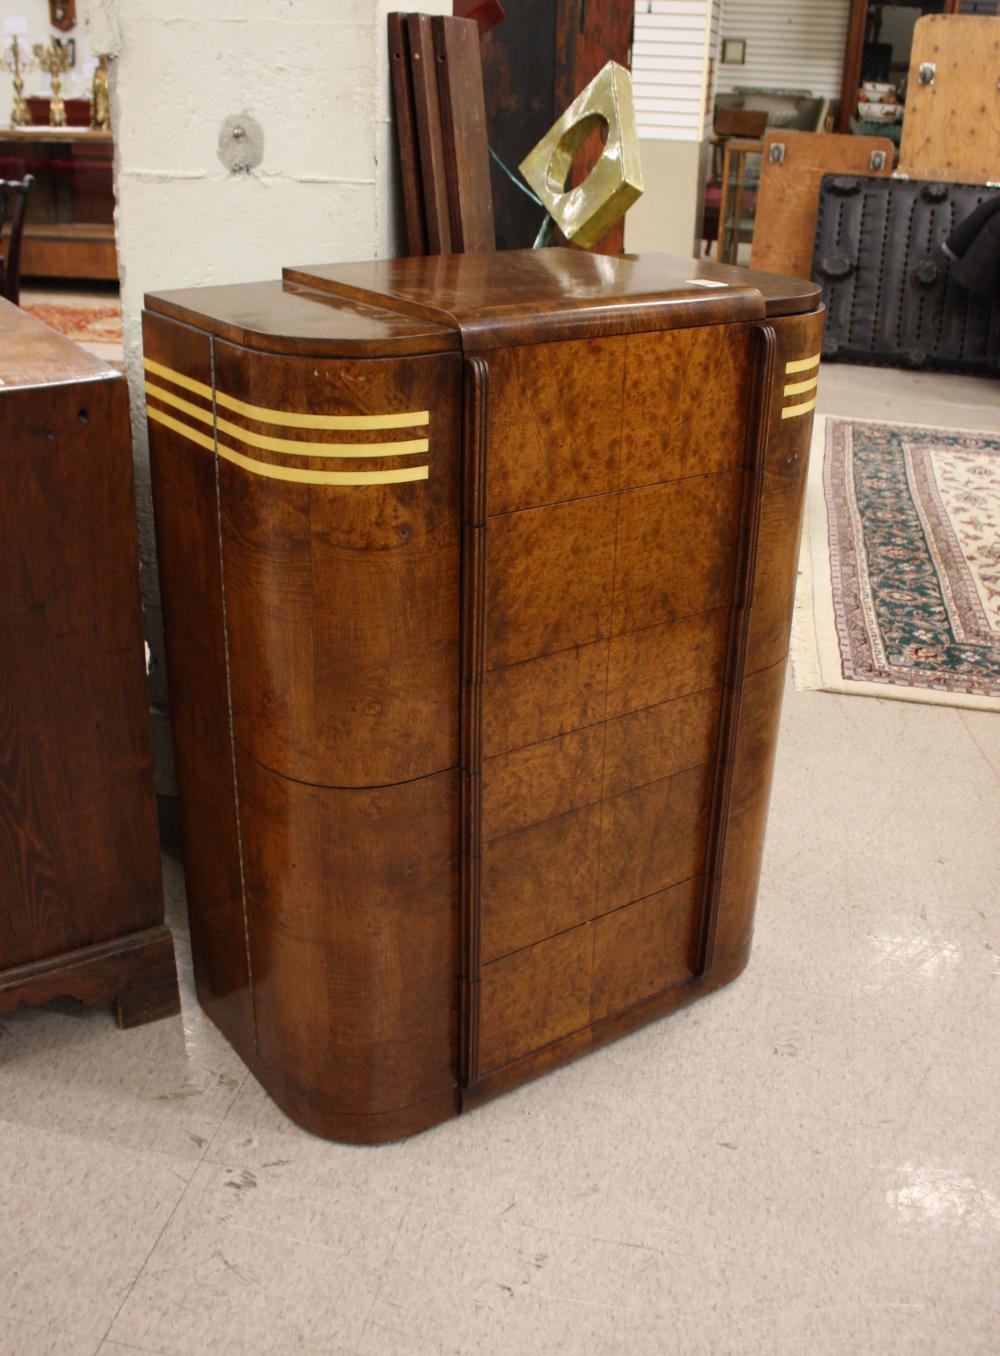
(32, 354)
(432, 303)
(277, 317)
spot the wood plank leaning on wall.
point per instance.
(441, 133)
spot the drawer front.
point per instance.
(608, 533)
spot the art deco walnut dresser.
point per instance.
(478, 575)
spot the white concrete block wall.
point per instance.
(670, 67)
(790, 44)
(315, 75)
(670, 74)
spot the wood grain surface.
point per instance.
(351, 902)
(463, 119)
(788, 196)
(532, 296)
(287, 318)
(423, 911)
(594, 793)
(79, 853)
(427, 106)
(185, 500)
(389, 555)
(951, 130)
(405, 119)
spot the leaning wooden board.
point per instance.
(440, 110)
(478, 575)
(81, 905)
(792, 166)
(951, 129)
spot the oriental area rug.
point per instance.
(899, 576)
(85, 324)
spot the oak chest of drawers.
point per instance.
(478, 575)
(81, 901)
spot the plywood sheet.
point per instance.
(789, 192)
(951, 130)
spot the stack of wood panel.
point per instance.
(792, 169)
(951, 130)
(437, 83)
(830, 205)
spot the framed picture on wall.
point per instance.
(734, 51)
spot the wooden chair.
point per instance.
(13, 202)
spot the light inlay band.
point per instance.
(287, 473)
(803, 364)
(291, 419)
(793, 411)
(403, 448)
(797, 387)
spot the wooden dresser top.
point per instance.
(480, 301)
(32, 354)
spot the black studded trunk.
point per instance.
(886, 281)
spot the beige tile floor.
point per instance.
(803, 1163)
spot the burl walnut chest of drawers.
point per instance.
(478, 576)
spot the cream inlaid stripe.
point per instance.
(263, 468)
(803, 364)
(797, 387)
(344, 422)
(402, 448)
(792, 411)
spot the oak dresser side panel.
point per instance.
(342, 598)
(797, 343)
(184, 477)
(326, 497)
(797, 353)
(352, 902)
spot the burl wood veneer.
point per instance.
(478, 575)
(81, 904)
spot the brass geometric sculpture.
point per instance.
(586, 212)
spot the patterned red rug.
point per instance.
(85, 324)
(899, 590)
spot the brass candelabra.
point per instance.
(17, 62)
(54, 59)
(100, 102)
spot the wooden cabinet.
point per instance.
(81, 905)
(69, 229)
(478, 575)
